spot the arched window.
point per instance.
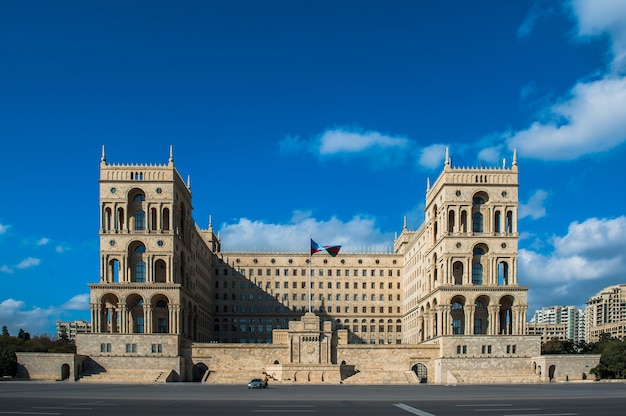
(451, 220)
(458, 317)
(503, 273)
(140, 249)
(139, 198)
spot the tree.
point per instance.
(556, 346)
(612, 361)
(23, 335)
(8, 362)
(5, 331)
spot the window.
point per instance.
(139, 325)
(157, 348)
(140, 272)
(477, 274)
(131, 348)
(456, 327)
(161, 325)
(140, 220)
(105, 347)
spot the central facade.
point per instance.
(166, 287)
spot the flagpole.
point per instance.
(310, 270)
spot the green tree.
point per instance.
(5, 331)
(8, 362)
(557, 346)
(23, 335)
(612, 361)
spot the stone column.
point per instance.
(123, 318)
(469, 318)
(493, 319)
(147, 313)
(445, 319)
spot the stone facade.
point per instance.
(170, 304)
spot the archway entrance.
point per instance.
(421, 372)
(65, 371)
(551, 371)
(199, 371)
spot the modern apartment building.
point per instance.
(606, 313)
(563, 322)
(71, 328)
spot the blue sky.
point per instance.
(298, 118)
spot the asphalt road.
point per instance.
(68, 399)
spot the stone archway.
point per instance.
(421, 372)
(65, 371)
(199, 372)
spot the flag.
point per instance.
(332, 250)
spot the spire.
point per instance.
(210, 221)
(103, 158)
(514, 157)
(427, 184)
(447, 162)
(404, 226)
(188, 181)
(171, 160)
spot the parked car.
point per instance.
(257, 383)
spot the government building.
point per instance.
(444, 306)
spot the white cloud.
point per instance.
(591, 256)
(43, 241)
(16, 315)
(535, 207)
(35, 321)
(340, 141)
(28, 263)
(607, 16)
(6, 269)
(432, 156)
(591, 120)
(78, 302)
(357, 234)
(378, 149)
(3, 228)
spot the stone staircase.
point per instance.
(125, 376)
(381, 376)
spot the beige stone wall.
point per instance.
(466, 346)
(565, 367)
(49, 366)
(115, 345)
(235, 363)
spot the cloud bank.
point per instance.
(357, 234)
(591, 256)
(591, 117)
(377, 149)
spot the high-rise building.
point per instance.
(71, 328)
(562, 322)
(606, 313)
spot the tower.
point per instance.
(460, 275)
(154, 268)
